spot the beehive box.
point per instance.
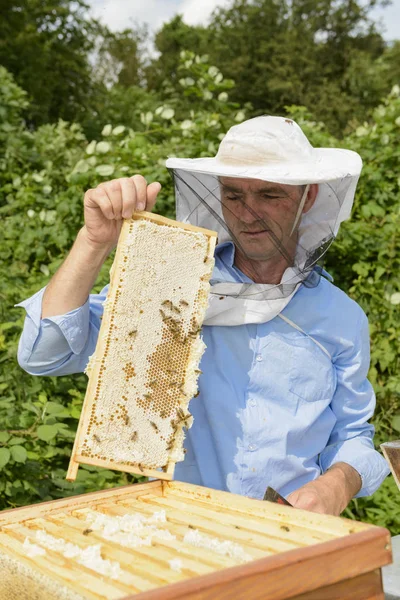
(168, 540)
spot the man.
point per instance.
(284, 399)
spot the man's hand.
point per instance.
(106, 206)
(330, 493)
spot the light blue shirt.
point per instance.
(273, 408)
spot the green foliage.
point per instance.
(325, 55)
(47, 46)
(43, 175)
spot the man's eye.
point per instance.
(270, 197)
(232, 197)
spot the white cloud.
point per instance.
(121, 14)
(196, 13)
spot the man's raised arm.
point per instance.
(61, 327)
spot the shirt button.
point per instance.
(252, 402)
(259, 358)
(252, 447)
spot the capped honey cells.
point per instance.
(145, 368)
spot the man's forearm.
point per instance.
(71, 285)
(330, 493)
(345, 483)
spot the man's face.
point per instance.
(260, 215)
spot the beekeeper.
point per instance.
(284, 397)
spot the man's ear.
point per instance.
(311, 197)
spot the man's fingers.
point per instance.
(98, 198)
(152, 192)
(141, 186)
(129, 197)
(114, 192)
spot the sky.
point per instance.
(121, 14)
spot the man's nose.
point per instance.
(249, 209)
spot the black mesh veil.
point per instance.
(276, 204)
(246, 211)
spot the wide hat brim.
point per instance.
(320, 166)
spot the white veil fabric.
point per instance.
(273, 150)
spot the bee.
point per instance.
(163, 414)
(170, 445)
(198, 371)
(166, 303)
(175, 309)
(183, 417)
(196, 394)
(134, 436)
(191, 526)
(140, 468)
(126, 419)
(148, 396)
(155, 426)
(184, 303)
(87, 531)
(153, 383)
(96, 437)
(132, 333)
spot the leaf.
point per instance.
(4, 457)
(167, 113)
(53, 408)
(105, 170)
(396, 423)
(4, 437)
(19, 454)
(103, 147)
(47, 432)
(16, 440)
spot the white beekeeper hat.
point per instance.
(275, 149)
(272, 149)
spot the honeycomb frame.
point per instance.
(144, 370)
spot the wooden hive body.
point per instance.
(222, 546)
(145, 367)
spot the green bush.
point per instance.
(43, 175)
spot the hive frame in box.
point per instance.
(78, 456)
(312, 556)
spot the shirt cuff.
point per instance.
(74, 325)
(358, 453)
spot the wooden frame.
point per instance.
(77, 458)
(296, 554)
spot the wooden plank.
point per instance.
(391, 451)
(255, 544)
(124, 583)
(143, 560)
(363, 587)
(296, 533)
(57, 568)
(14, 515)
(296, 536)
(335, 526)
(201, 556)
(135, 469)
(171, 223)
(283, 576)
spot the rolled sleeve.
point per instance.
(351, 440)
(62, 344)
